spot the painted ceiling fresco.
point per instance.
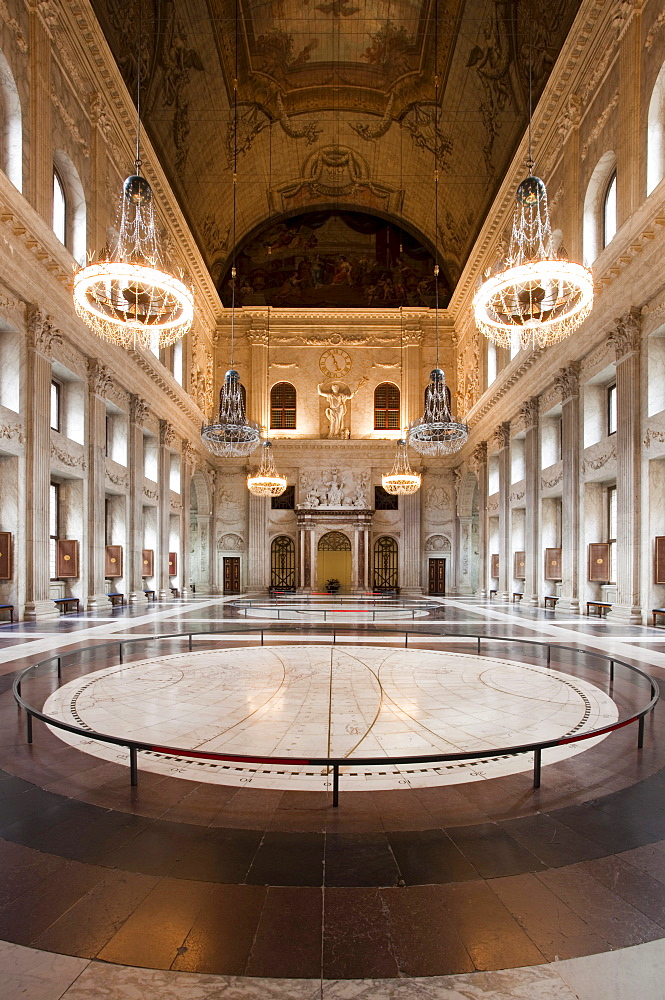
(335, 112)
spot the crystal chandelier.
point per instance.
(535, 295)
(232, 435)
(130, 295)
(402, 480)
(266, 482)
(436, 433)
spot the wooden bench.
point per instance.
(150, 594)
(549, 601)
(492, 594)
(68, 605)
(517, 597)
(601, 607)
(10, 608)
(175, 592)
(117, 600)
(654, 612)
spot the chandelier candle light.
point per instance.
(266, 482)
(131, 295)
(402, 480)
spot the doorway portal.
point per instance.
(334, 560)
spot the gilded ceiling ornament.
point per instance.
(336, 171)
(309, 131)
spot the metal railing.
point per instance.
(335, 763)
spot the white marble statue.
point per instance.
(338, 398)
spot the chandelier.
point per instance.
(535, 295)
(402, 480)
(266, 482)
(130, 295)
(232, 435)
(436, 433)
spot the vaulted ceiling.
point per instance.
(335, 106)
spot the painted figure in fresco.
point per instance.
(342, 274)
(338, 397)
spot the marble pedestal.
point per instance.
(40, 610)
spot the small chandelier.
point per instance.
(536, 295)
(402, 480)
(266, 482)
(436, 433)
(130, 295)
(233, 435)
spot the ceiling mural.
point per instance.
(333, 258)
(336, 109)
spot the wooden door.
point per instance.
(437, 576)
(231, 574)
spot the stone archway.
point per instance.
(199, 533)
(334, 560)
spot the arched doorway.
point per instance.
(385, 563)
(334, 560)
(283, 563)
(199, 534)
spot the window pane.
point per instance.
(610, 212)
(55, 406)
(612, 513)
(59, 206)
(53, 511)
(612, 409)
(177, 361)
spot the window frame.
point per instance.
(611, 408)
(54, 494)
(610, 189)
(280, 413)
(59, 184)
(387, 411)
(57, 425)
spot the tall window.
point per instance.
(612, 408)
(54, 527)
(610, 211)
(283, 406)
(59, 209)
(386, 407)
(612, 530)
(55, 405)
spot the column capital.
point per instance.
(479, 456)
(99, 377)
(568, 380)
(501, 436)
(189, 453)
(626, 333)
(42, 334)
(167, 435)
(138, 409)
(530, 411)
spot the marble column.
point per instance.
(138, 409)
(530, 414)
(410, 550)
(412, 390)
(215, 587)
(189, 458)
(258, 547)
(167, 441)
(40, 341)
(99, 380)
(567, 381)
(631, 147)
(626, 340)
(480, 463)
(502, 441)
(258, 402)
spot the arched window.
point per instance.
(67, 188)
(11, 151)
(656, 134)
(59, 208)
(599, 201)
(283, 563)
(385, 563)
(283, 406)
(386, 407)
(610, 210)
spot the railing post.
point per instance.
(120, 660)
(261, 636)
(190, 642)
(59, 668)
(133, 766)
(334, 637)
(335, 786)
(549, 655)
(406, 640)
(640, 733)
(29, 728)
(611, 671)
(478, 645)
(536, 767)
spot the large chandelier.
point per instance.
(232, 435)
(535, 296)
(266, 482)
(436, 433)
(402, 480)
(131, 295)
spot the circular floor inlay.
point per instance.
(331, 701)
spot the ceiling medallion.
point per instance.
(266, 482)
(130, 295)
(535, 296)
(402, 480)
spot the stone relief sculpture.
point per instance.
(334, 490)
(338, 396)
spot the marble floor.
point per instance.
(342, 701)
(479, 889)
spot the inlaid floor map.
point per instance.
(330, 701)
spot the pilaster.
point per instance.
(410, 582)
(479, 461)
(187, 471)
(40, 179)
(138, 409)
(502, 440)
(99, 380)
(567, 381)
(530, 413)
(258, 548)
(167, 440)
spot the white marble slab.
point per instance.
(636, 973)
(29, 974)
(331, 701)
